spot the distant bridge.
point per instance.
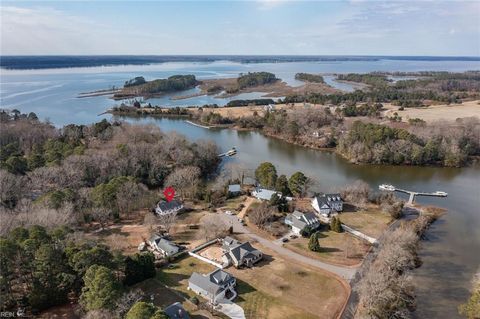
(411, 198)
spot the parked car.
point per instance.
(229, 212)
(284, 240)
(293, 236)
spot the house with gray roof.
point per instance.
(234, 189)
(327, 204)
(239, 254)
(215, 286)
(176, 311)
(165, 247)
(171, 207)
(299, 220)
(264, 194)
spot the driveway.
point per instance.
(344, 272)
(230, 309)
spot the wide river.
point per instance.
(451, 253)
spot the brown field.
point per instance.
(437, 112)
(337, 248)
(275, 288)
(370, 221)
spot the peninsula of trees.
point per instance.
(308, 77)
(139, 87)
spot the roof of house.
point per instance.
(164, 244)
(300, 220)
(176, 311)
(241, 251)
(166, 206)
(328, 198)
(265, 194)
(211, 282)
(235, 188)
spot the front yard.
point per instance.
(275, 288)
(337, 248)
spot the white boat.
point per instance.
(440, 193)
(231, 152)
(386, 187)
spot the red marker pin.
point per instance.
(169, 193)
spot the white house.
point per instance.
(165, 208)
(214, 286)
(299, 220)
(264, 194)
(327, 204)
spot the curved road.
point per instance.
(346, 273)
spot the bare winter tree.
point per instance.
(185, 180)
(12, 189)
(101, 215)
(167, 221)
(127, 300)
(357, 192)
(261, 215)
(214, 227)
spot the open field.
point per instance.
(275, 288)
(284, 289)
(370, 221)
(437, 112)
(337, 248)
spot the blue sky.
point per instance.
(355, 27)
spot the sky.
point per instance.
(264, 27)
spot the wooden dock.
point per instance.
(413, 194)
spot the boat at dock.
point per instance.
(386, 187)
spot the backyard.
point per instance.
(370, 221)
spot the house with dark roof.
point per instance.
(264, 194)
(234, 189)
(166, 208)
(165, 247)
(327, 204)
(176, 311)
(215, 286)
(299, 220)
(239, 254)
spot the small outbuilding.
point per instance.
(264, 194)
(166, 208)
(234, 189)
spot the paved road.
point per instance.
(344, 272)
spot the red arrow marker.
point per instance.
(169, 193)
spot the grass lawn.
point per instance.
(280, 288)
(370, 221)
(233, 203)
(337, 248)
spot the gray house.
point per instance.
(264, 194)
(299, 220)
(171, 207)
(165, 247)
(214, 286)
(176, 311)
(234, 189)
(239, 254)
(327, 204)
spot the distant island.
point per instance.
(73, 61)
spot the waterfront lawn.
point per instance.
(337, 248)
(281, 288)
(371, 221)
(233, 203)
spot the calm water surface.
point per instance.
(450, 255)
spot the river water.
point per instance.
(451, 253)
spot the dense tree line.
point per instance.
(135, 81)
(308, 77)
(374, 79)
(380, 144)
(172, 83)
(234, 103)
(117, 172)
(42, 268)
(255, 79)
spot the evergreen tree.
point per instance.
(297, 183)
(266, 175)
(101, 288)
(313, 243)
(281, 185)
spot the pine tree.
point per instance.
(313, 243)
